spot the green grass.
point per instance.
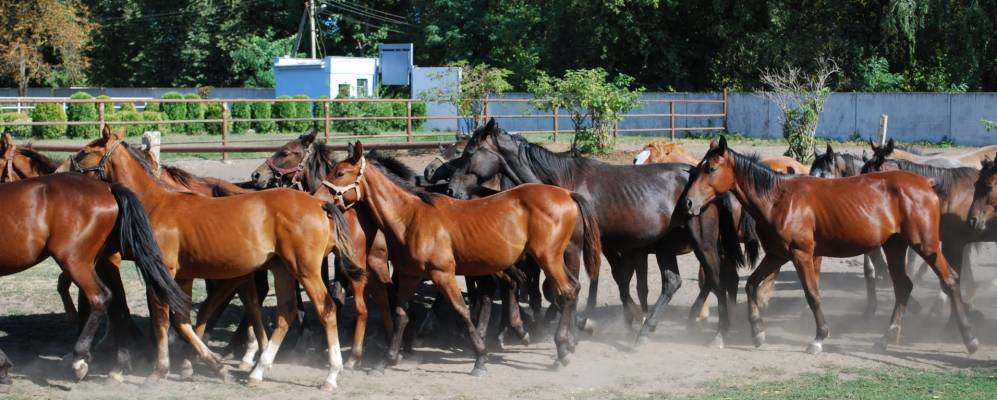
(893, 383)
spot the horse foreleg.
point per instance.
(287, 307)
(406, 289)
(766, 270)
(257, 335)
(806, 268)
(670, 283)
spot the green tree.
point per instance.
(477, 83)
(42, 40)
(593, 101)
(81, 112)
(252, 59)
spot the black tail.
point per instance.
(592, 248)
(729, 243)
(218, 191)
(139, 245)
(344, 242)
(752, 244)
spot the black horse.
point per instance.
(634, 206)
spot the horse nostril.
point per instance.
(450, 192)
(688, 203)
(972, 221)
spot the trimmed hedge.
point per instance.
(285, 110)
(376, 109)
(48, 112)
(303, 110)
(174, 111)
(155, 116)
(135, 128)
(81, 112)
(194, 111)
(213, 111)
(127, 106)
(17, 131)
(239, 111)
(262, 110)
(108, 107)
(152, 106)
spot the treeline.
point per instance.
(683, 45)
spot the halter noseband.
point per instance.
(99, 168)
(297, 170)
(339, 191)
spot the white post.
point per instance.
(151, 141)
(311, 23)
(883, 121)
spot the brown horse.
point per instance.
(660, 152)
(83, 224)
(984, 207)
(230, 237)
(802, 219)
(970, 159)
(438, 238)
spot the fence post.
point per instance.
(151, 140)
(555, 124)
(100, 115)
(883, 121)
(408, 120)
(225, 123)
(328, 122)
(485, 115)
(671, 119)
(725, 110)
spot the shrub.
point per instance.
(284, 110)
(155, 116)
(213, 111)
(174, 111)
(241, 111)
(135, 127)
(17, 131)
(82, 112)
(320, 113)
(302, 110)
(152, 106)
(48, 112)
(194, 111)
(262, 110)
(418, 110)
(127, 106)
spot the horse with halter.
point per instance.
(802, 219)
(230, 237)
(634, 212)
(86, 226)
(430, 236)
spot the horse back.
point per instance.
(634, 203)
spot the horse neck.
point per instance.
(758, 205)
(560, 172)
(316, 170)
(853, 165)
(391, 207)
(129, 172)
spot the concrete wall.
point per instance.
(437, 81)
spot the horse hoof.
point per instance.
(245, 366)
(565, 360)
(641, 340)
(117, 376)
(224, 375)
(80, 368)
(479, 372)
(759, 339)
(972, 345)
(526, 339)
(186, 370)
(815, 348)
(253, 382)
(351, 363)
(590, 326)
(328, 387)
(718, 342)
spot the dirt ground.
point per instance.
(676, 362)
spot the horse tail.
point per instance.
(729, 241)
(592, 248)
(752, 244)
(139, 245)
(343, 240)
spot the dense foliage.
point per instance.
(81, 112)
(48, 112)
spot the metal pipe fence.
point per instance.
(325, 120)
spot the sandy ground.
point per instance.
(676, 362)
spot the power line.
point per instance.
(355, 10)
(365, 23)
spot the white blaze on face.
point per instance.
(642, 157)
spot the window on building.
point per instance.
(344, 90)
(362, 88)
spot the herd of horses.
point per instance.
(494, 208)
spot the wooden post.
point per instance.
(725, 110)
(408, 120)
(151, 140)
(327, 122)
(225, 124)
(883, 121)
(671, 119)
(555, 124)
(485, 116)
(100, 115)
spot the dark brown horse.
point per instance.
(634, 209)
(230, 237)
(432, 237)
(84, 224)
(802, 219)
(984, 208)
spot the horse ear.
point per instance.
(357, 152)
(8, 142)
(490, 127)
(713, 143)
(722, 144)
(873, 145)
(865, 157)
(308, 137)
(349, 149)
(119, 134)
(889, 148)
(986, 163)
(106, 133)
(829, 152)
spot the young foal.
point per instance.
(438, 238)
(802, 219)
(231, 237)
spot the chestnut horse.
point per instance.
(984, 207)
(802, 219)
(660, 151)
(231, 237)
(970, 159)
(84, 224)
(437, 237)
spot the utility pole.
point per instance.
(311, 23)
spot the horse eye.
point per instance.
(710, 168)
(340, 174)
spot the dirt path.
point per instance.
(676, 361)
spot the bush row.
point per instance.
(166, 111)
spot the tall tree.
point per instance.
(41, 36)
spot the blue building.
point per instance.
(330, 76)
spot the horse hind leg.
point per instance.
(930, 251)
(623, 272)
(447, 283)
(902, 286)
(670, 283)
(97, 295)
(62, 287)
(806, 268)
(287, 308)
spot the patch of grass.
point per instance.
(871, 384)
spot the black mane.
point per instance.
(551, 167)
(392, 165)
(853, 163)
(38, 160)
(945, 178)
(421, 193)
(763, 179)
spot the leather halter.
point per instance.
(99, 168)
(339, 191)
(8, 171)
(298, 170)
